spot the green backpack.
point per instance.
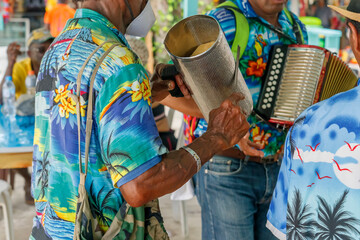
(241, 39)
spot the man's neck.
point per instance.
(272, 18)
(111, 13)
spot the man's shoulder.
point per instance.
(222, 14)
(341, 104)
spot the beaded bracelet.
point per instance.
(195, 156)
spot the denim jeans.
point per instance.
(235, 196)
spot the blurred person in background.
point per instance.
(56, 18)
(324, 13)
(38, 43)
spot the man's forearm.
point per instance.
(183, 105)
(175, 169)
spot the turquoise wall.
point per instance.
(190, 7)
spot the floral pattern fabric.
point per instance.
(318, 188)
(124, 143)
(253, 64)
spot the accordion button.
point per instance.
(274, 83)
(268, 105)
(265, 101)
(273, 88)
(279, 66)
(270, 99)
(267, 95)
(280, 60)
(276, 61)
(278, 50)
(271, 78)
(276, 77)
(274, 67)
(272, 72)
(282, 54)
(270, 83)
(272, 94)
(263, 106)
(277, 71)
(277, 55)
(268, 89)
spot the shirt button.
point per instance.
(211, 160)
(206, 171)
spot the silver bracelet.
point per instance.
(195, 156)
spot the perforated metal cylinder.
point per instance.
(210, 76)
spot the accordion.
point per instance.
(298, 76)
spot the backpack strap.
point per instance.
(76, 98)
(241, 37)
(297, 29)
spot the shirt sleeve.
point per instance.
(19, 75)
(278, 207)
(227, 22)
(129, 140)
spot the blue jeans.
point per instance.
(235, 196)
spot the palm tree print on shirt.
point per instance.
(100, 204)
(299, 219)
(43, 174)
(335, 223)
(114, 169)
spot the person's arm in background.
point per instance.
(185, 104)
(13, 51)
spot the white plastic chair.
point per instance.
(5, 203)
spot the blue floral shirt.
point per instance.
(124, 144)
(318, 188)
(253, 64)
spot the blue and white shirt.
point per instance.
(318, 190)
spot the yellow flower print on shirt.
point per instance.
(140, 91)
(67, 104)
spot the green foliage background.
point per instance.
(167, 19)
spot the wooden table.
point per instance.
(16, 157)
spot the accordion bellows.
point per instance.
(298, 76)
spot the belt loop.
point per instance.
(246, 159)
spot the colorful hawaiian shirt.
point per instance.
(318, 188)
(253, 64)
(124, 144)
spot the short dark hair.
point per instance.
(355, 23)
